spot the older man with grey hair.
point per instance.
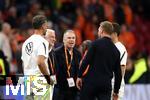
(68, 58)
(52, 64)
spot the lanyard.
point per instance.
(86, 70)
(67, 61)
(83, 57)
(52, 64)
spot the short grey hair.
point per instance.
(67, 31)
(107, 27)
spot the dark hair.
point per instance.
(107, 27)
(116, 28)
(38, 21)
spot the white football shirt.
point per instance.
(123, 61)
(33, 47)
(123, 53)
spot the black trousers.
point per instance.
(69, 94)
(92, 92)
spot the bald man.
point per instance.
(51, 38)
(68, 58)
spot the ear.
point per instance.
(42, 26)
(64, 39)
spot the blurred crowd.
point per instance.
(83, 16)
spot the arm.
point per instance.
(115, 96)
(41, 64)
(86, 61)
(123, 69)
(123, 62)
(43, 68)
(84, 64)
(42, 55)
(118, 76)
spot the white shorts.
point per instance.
(38, 87)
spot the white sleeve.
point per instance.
(43, 49)
(123, 53)
(124, 58)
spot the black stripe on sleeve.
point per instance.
(44, 47)
(122, 56)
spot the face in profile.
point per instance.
(50, 37)
(69, 39)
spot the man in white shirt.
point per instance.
(123, 58)
(35, 50)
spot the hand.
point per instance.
(79, 83)
(115, 96)
(8, 80)
(49, 80)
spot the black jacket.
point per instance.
(52, 66)
(104, 59)
(61, 69)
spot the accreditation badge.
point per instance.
(71, 82)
